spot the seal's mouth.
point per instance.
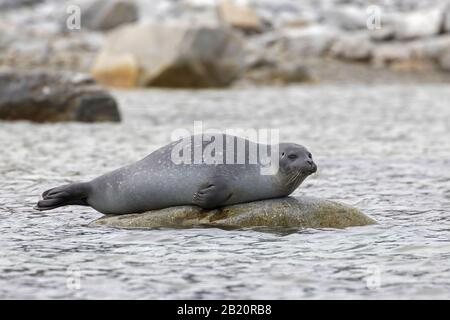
(310, 169)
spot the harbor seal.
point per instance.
(157, 181)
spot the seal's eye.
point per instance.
(292, 156)
(310, 155)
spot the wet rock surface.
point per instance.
(289, 212)
(42, 96)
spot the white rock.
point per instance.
(418, 24)
(309, 41)
(346, 17)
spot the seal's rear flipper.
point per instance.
(71, 194)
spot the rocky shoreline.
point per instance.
(43, 96)
(278, 42)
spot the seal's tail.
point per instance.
(69, 194)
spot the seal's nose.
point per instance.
(313, 166)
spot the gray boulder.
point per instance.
(353, 46)
(14, 4)
(383, 34)
(444, 59)
(412, 56)
(430, 48)
(42, 96)
(391, 52)
(279, 72)
(348, 18)
(446, 17)
(104, 15)
(289, 212)
(6, 39)
(171, 54)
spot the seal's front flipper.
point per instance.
(71, 194)
(212, 194)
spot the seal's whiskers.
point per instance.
(293, 178)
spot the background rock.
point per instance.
(418, 24)
(430, 48)
(278, 72)
(444, 59)
(352, 46)
(348, 18)
(290, 212)
(49, 97)
(239, 16)
(105, 15)
(170, 55)
(446, 17)
(12, 4)
(279, 31)
(309, 41)
(385, 54)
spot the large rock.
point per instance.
(446, 18)
(308, 41)
(6, 39)
(14, 4)
(48, 97)
(348, 18)
(392, 52)
(418, 24)
(413, 56)
(430, 48)
(239, 16)
(352, 46)
(289, 212)
(295, 19)
(269, 71)
(105, 15)
(272, 59)
(171, 54)
(444, 60)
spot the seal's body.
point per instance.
(157, 181)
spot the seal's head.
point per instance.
(296, 163)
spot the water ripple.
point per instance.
(385, 149)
